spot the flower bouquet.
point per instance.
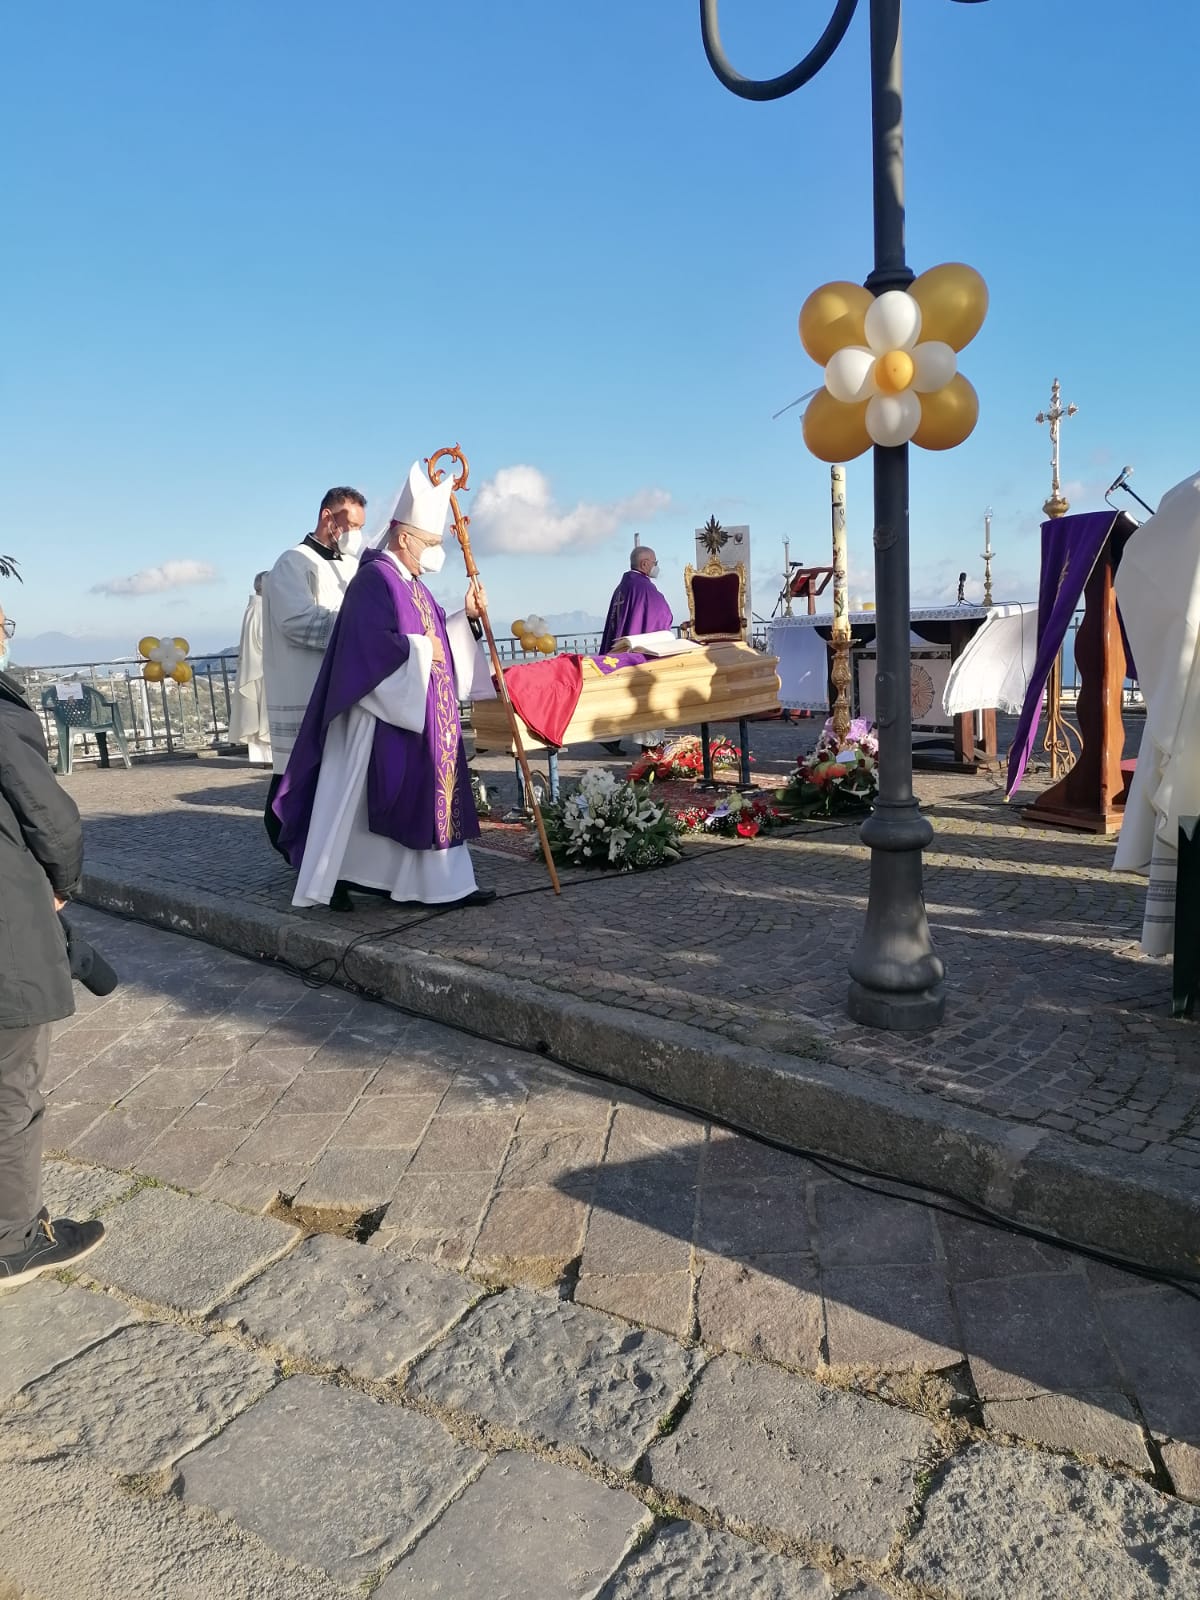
(684, 758)
(839, 778)
(737, 816)
(611, 823)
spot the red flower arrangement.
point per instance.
(738, 816)
(684, 758)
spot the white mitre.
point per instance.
(421, 505)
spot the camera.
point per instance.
(87, 964)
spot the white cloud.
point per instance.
(516, 513)
(157, 580)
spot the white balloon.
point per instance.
(934, 364)
(893, 322)
(893, 418)
(157, 654)
(848, 374)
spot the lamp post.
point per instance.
(896, 975)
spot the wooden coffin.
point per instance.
(717, 683)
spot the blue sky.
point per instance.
(257, 248)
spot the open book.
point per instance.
(663, 643)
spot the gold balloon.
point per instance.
(832, 317)
(146, 645)
(833, 430)
(181, 645)
(953, 299)
(182, 673)
(546, 643)
(518, 628)
(947, 415)
(894, 371)
(153, 672)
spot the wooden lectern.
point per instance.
(1091, 797)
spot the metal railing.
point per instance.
(158, 718)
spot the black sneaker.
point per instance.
(56, 1244)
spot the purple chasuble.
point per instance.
(636, 607)
(418, 789)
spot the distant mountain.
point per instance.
(574, 622)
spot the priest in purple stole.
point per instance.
(377, 794)
(637, 605)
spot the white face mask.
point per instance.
(653, 573)
(432, 558)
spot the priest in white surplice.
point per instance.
(1158, 591)
(301, 597)
(248, 723)
(377, 795)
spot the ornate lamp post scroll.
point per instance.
(896, 976)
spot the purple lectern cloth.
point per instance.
(636, 607)
(1070, 546)
(418, 789)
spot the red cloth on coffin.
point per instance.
(545, 693)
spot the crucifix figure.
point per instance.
(1056, 506)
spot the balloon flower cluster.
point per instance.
(534, 636)
(164, 658)
(891, 368)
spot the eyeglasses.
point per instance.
(10, 627)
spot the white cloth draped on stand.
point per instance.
(994, 670)
(1158, 591)
(248, 722)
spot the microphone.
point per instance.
(1119, 481)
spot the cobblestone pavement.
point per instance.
(1054, 1018)
(588, 1344)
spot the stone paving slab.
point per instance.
(66, 1533)
(1111, 1538)
(1026, 1335)
(162, 1254)
(79, 1192)
(1102, 1425)
(336, 1304)
(683, 1561)
(770, 1450)
(558, 1374)
(137, 1401)
(49, 1323)
(523, 1528)
(329, 1477)
(1156, 1337)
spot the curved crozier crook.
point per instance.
(772, 88)
(436, 473)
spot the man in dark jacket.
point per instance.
(41, 857)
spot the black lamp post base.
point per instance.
(899, 1013)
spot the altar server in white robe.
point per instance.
(1158, 591)
(302, 595)
(248, 723)
(377, 795)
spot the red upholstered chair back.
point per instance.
(716, 600)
